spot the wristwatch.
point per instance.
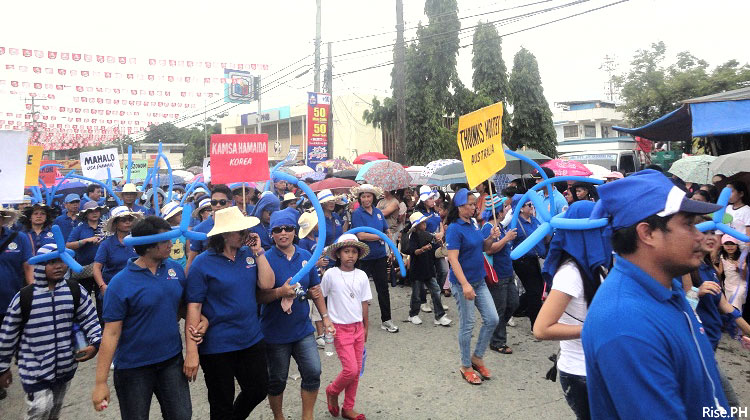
(259, 253)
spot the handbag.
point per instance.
(490, 275)
(87, 272)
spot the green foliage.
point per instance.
(532, 118)
(490, 78)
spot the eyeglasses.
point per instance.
(221, 202)
(287, 229)
(528, 205)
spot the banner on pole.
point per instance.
(94, 164)
(480, 142)
(207, 170)
(13, 165)
(138, 171)
(49, 174)
(33, 161)
(318, 114)
(239, 158)
(240, 86)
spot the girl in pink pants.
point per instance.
(348, 293)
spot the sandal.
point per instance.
(471, 377)
(333, 409)
(360, 416)
(482, 371)
(502, 349)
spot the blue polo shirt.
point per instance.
(178, 254)
(85, 199)
(334, 228)
(708, 306)
(226, 289)
(376, 221)
(279, 327)
(205, 227)
(501, 261)
(308, 245)
(147, 304)
(646, 351)
(44, 237)
(11, 265)
(264, 232)
(525, 229)
(86, 253)
(560, 202)
(66, 224)
(433, 221)
(141, 209)
(467, 239)
(113, 255)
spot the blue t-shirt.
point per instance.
(85, 199)
(376, 221)
(137, 208)
(264, 232)
(525, 229)
(11, 266)
(467, 239)
(501, 261)
(113, 255)
(177, 254)
(86, 253)
(279, 327)
(708, 306)
(334, 228)
(226, 289)
(147, 304)
(44, 237)
(560, 202)
(204, 227)
(647, 356)
(308, 245)
(66, 224)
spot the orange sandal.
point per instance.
(471, 377)
(482, 371)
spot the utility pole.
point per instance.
(609, 66)
(34, 117)
(329, 90)
(260, 110)
(399, 86)
(317, 47)
(205, 129)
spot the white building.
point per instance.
(587, 125)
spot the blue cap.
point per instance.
(643, 194)
(461, 197)
(71, 198)
(286, 217)
(514, 201)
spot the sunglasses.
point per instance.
(528, 205)
(287, 229)
(221, 202)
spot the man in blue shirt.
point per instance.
(375, 263)
(527, 267)
(69, 219)
(267, 204)
(93, 193)
(647, 355)
(221, 198)
(560, 202)
(129, 195)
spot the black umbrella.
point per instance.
(348, 174)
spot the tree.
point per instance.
(532, 118)
(490, 77)
(165, 133)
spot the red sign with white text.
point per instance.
(50, 173)
(239, 158)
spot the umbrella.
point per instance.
(195, 170)
(416, 174)
(363, 170)
(693, 168)
(448, 174)
(164, 179)
(348, 174)
(315, 176)
(431, 167)
(71, 185)
(565, 167)
(335, 164)
(186, 175)
(387, 175)
(369, 157)
(598, 171)
(516, 166)
(731, 164)
(297, 170)
(333, 184)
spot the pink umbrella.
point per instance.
(369, 157)
(562, 167)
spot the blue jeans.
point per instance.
(305, 353)
(505, 296)
(574, 389)
(165, 379)
(483, 302)
(417, 286)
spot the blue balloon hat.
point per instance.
(62, 253)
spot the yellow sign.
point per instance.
(480, 142)
(33, 160)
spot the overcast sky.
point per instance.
(278, 33)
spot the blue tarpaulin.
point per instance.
(722, 114)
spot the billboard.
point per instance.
(318, 116)
(240, 86)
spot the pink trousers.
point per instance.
(350, 344)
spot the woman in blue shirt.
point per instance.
(465, 246)
(221, 285)
(285, 320)
(84, 240)
(37, 225)
(334, 223)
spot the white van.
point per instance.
(625, 161)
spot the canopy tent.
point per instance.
(721, 114)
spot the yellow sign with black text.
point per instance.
(480, 142)
(33, 161)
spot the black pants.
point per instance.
(376, 269)
(528, 270)
(248, 366)
(417, 287)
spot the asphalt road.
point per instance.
(412, 374)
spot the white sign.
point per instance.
(13, 165)
(267, 116)
(94, 164)
(207, 170)
(293, 152)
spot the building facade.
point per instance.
(588, 124)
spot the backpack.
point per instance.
(27, 295)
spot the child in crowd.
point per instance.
(734, 284)
(348, 293)
(46, 358)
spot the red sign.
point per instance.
(239, 158)
(318, 115)
(50, 173)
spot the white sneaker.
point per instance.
(511, 322)
(388, 326)
(444, 321)
(425, 308)
(445, 307)
(416, 320)
(321, 341)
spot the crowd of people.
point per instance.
(670, 291)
